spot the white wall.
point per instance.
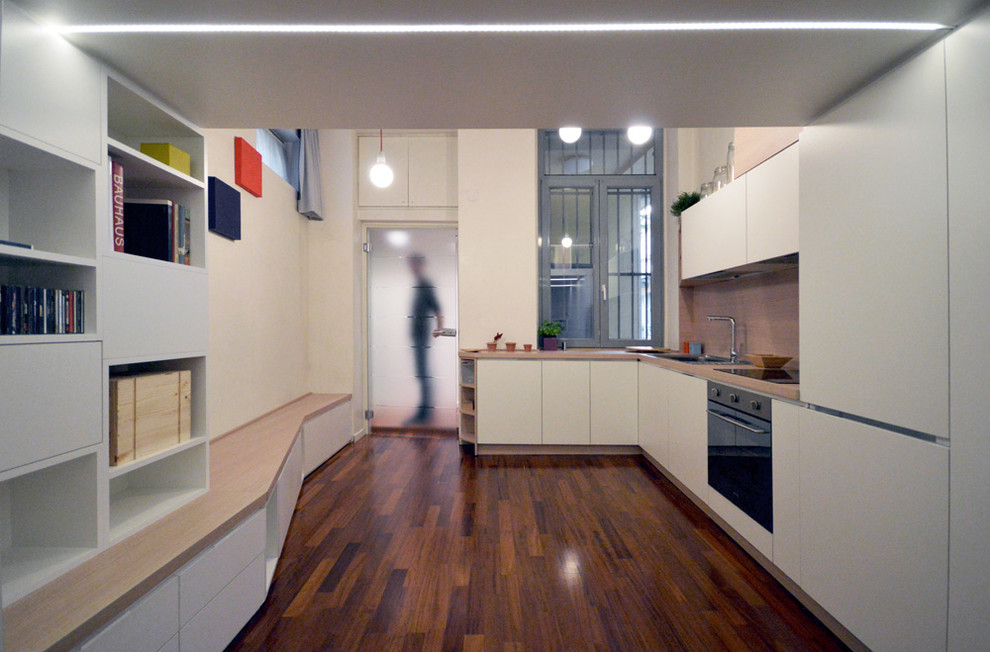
(498, 228)
(699, 152)
(258, 293)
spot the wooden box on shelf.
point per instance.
(148, 413)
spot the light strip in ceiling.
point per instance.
(206, 28)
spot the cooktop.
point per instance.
(779, 376)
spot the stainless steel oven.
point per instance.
(740, 449)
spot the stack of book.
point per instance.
(41, 311)
(153, 228)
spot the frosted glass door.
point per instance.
(412, 292)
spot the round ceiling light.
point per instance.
(566, 242)
(569, 134)
(381, 174)
(639, 134)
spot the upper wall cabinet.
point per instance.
(425, 170)
(874, 269)
(753, 219)
(49, 90)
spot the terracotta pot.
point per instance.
(510, 346)
(492, 346)
(527, 347)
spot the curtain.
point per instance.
(310, 201)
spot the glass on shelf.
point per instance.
(720, 179)
(707, 189)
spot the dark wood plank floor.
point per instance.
(406, 543)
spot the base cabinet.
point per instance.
(614, 402)
(566, 412)
(510, 401)
(787, 488)
(874, 531)
(687, 402)
(225, 615)
(653, 429)
(324, 435)
(149, 625)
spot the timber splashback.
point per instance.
(765, 307)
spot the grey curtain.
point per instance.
(310, 201)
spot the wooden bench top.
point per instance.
(244, 465)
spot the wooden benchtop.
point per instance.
(706, 371)
(244, 465)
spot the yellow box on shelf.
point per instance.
(168, 154)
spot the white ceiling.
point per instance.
(470, 81)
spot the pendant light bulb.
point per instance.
(639, 134)
(569, 134)
(381, 174)
(566, 242)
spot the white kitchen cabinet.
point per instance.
(754, 533)
(687, 402)
(425, 169)
(874, 268)
(653, 431)
(509, 401)
(148, 625)
(324, 435)
(614, 402)
(51, 91)
(70, 415)
(225, 615)
(874, 531)
(566, 414)
(968, 95)
(772, 207)
(713, 232)
(787, 488)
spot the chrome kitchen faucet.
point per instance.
(733, 354)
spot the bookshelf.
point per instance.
(467, 427)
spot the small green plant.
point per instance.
(550, 329)
(684, 201)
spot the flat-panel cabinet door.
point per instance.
(874, 269)
(713, 232)
(433, 171)
(874, 531)
(566, 418)
(787, 489)
(147, 625)
(614, 402)
(51, 400)
(49, 90)
(772, 207)
(509, 401)
(653, 431)
(396, 150)
(687, 402)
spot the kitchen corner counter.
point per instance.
(706, 371)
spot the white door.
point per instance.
(412, 333)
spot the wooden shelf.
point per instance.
(135, 508)
(25, 568)
(465, 409)
(122, 469)
(469, 385)
(144, 170)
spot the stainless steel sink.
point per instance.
(693, 359)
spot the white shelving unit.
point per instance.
(169, 333)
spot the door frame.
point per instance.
(367, 226)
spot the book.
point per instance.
(148, 228)
(41, 311)
(11, 243)
(117, 203)
(182, 232)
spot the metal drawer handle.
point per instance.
(742, 425)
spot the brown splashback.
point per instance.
(765, 307)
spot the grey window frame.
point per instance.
(600, 185)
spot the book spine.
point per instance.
(3, 310)
(117, 198)
(187, 231)
(82, 311)
(50, 322)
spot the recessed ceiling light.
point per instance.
(569, 134)
(482, 28)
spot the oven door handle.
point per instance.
(744, 426)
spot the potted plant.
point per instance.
(548, 334)
(494, 343)
(684, 201)
(510, 346)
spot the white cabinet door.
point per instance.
(51, 398)
(219, 621)
(874, 268)
(772, 207)
(713, 232)
(49, 90)
(509, 401)
(653, 434)
(147, 625)
(153, 309)
(396, 150)
(324, 435)
(787, 489)
(687, 402)
(874, 531)
(566, 418)
(968, 94)
(433, 171)
(614, 402)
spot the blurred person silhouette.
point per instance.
(424, 308)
